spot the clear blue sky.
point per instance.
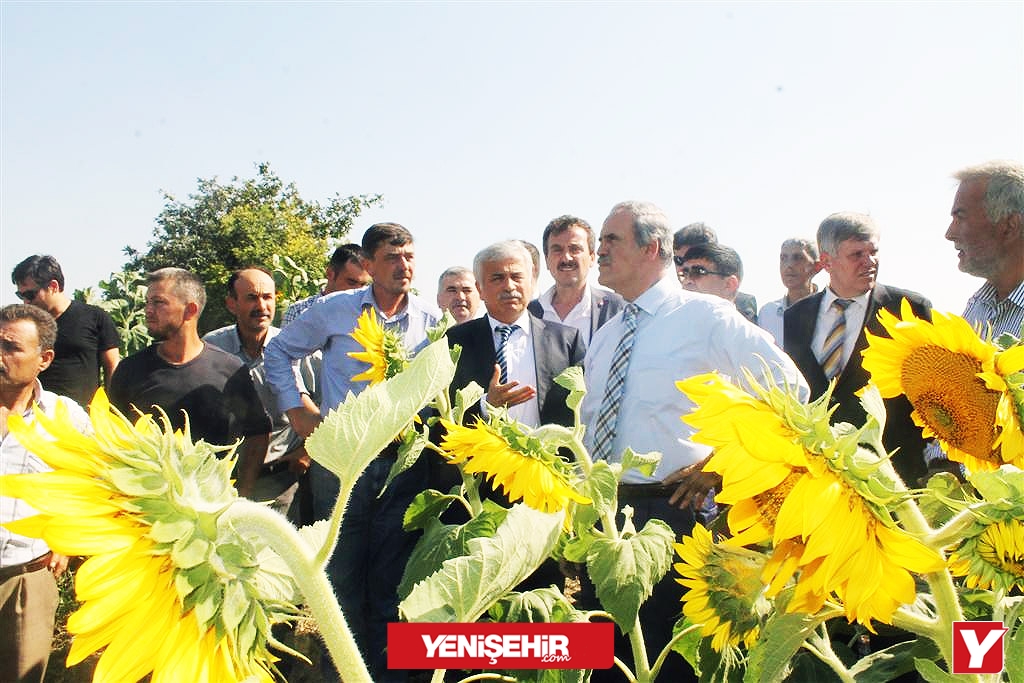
(479, 122)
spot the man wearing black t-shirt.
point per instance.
(86, 336)
(182, 375)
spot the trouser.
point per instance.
(28, 603)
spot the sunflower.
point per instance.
(809, 491)
(166, 589)
(957, 383)
(991, 554)
(383, 349)
(726, 595)
(520, 465)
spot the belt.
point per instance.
(41, 562)
(647, 490)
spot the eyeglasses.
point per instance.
(28, 294)
(694, 272)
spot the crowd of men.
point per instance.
(668, 306)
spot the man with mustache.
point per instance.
(824, 333)
(568, 244)
(372, 548)
(186, 378)
(251, 299)
(457, 293)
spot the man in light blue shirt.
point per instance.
(678, 334)
(372, 547)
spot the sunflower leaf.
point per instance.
(625, 570)
(780, 639)
(546, 605)
(426, 506)
(644, 463)
(464, 587)
(413, 443)
(601, 486)
(886, 665)
(465, 398)
(352, 435)
(931, 672)
(572, 379)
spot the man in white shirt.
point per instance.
(457, 293)
(568, 244)
(28, 589)
(798, 264)
(677, 334)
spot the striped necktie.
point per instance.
(608, 416)
(832, 351)
(504, 331)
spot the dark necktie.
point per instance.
(504, 331)
(608, 416)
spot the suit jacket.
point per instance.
(800, 320)
(555, 348)
(603, 306)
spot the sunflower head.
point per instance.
(383, 349)
(991, 554)
(144, 504)
(508, 454)
(725, 592)
(957, 383)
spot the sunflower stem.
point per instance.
(640, 663)
(251, 518)
(915, 623)
(665, 651)
(821, 647)
(952, 531)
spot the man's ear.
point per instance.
(732, 283)
(45, 358)
(825, 262)
(191, 310)
(232, 304)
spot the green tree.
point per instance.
(222, 227)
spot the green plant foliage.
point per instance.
(222, 227)
(123, 296)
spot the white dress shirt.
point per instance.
(521, 366)
(827, 316)
(579, 317)
(679, 334)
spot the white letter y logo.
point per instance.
(979, 650)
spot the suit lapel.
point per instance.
(541, 359)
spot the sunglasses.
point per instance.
(28, 294)
(695, 272)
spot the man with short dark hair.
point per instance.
(824, 333)
(568, 244)
(251, 300)
(87, 338)
(712, 269)
(699, 234)
(373, 548)
(798, 264)
(28, 590)
(344, 271)
(190, 381)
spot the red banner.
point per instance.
(500, 646)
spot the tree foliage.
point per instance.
(222, 227)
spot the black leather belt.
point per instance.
(647, 490)
(41, 562)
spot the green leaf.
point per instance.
(425, 507)
(465, 398)
(885, 665)
(601, 486)
(689, 645)
(547, 675)
(931, 672)
(466, 586)
(442, 542)
(780, 639)
(645, 463)
(874, 406)
(190, 552)
(1014, 648)
(625, 570)
(352, 435)
(546, 605)
(413, 443)
(235, 604)
(315, 534)
(572, 379)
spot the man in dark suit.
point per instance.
(824, 333)
(533, 352)
(568, 244)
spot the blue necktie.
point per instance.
(505, 331)
(608, 416)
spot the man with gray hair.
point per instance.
(798, 264)
(187, 378)
(988, 232)
(663, 334)
(824, 333)
(457, 293)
